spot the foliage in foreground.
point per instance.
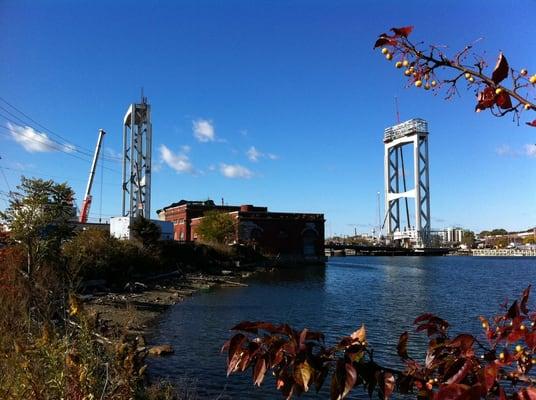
(505, 90)
(460, 367)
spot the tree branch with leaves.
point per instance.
(496, 364)
(505, 91)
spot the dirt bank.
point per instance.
(133, 310)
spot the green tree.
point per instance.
(217, 227)
(468, 238)
(145, 231)
(529, 240)
(38, 216)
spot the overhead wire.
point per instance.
(52, 146)
(67, 142)
(29, 171)
(67, 145)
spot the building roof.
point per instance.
(206, 203)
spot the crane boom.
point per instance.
(86, 204)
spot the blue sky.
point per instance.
(297, 81)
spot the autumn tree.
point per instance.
(38, 217)
(217, 227)
(506, 90)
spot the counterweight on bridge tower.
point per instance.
(413, 132)
(137, 148)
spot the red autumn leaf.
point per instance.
(385, 40)
(502, 395)
(301, 342)
(515, 335)
(423, 317)
(463, 341)
(259, 371)
(402, 346)
(486, 98)
(387, 385)
(454, 391)
(528, 393)
(530, 340)
(500, 72)
(524, 300)
(489, 376)
(320, 376)
(338, 381)
(350, 378)
(461, 374)
(404, 31)
(503, 101)
(513, 311)
(533, 123)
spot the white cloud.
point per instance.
(35, 142)
(235, 171)
(254, 155)
(203, 130)
(186, 149)
(530, 150)
(504, 150)
(112, 153)
(180, 162)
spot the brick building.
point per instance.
(275, 233)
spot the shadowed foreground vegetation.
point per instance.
(50, 347)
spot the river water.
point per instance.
(384, 293)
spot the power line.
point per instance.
(65, 145)
(4, 175)
(52, 176)
(51, 146)
(76, 147)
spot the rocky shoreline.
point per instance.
(132, 311)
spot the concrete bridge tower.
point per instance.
(416, 230)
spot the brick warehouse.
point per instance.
(287, 235)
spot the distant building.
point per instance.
(275, 233)
(451, 235)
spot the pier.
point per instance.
(341, 250)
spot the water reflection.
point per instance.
(385, 293)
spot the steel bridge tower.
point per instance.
(137, 148)
(415, 133)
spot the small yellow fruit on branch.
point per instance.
(398, 64)
(498, 90)
(533, 79)
(385, 50)
(467, 75)
(418, 83)
(405, 63)
(389, 56)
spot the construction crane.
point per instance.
(86, 204)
